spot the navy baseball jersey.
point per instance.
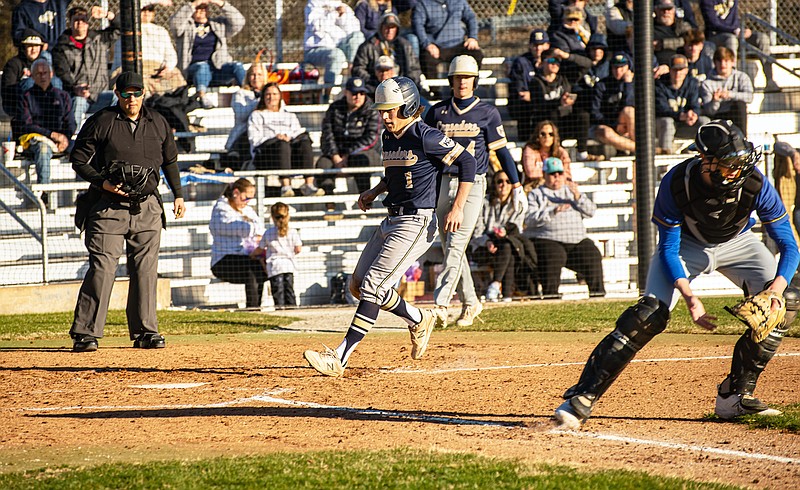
(414, 160)
(477, 127)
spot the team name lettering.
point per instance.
(461, 129)
(402, 158)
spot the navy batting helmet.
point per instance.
(397, 92)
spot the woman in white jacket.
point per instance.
(332, 37)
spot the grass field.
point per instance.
(408, 465)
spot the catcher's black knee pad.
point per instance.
(750, 359)
(635, 328)
(792, 297)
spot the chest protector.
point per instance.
(708, 217)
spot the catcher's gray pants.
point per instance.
(745, 260)
(396, 244)
(110, 230)
(454, 245)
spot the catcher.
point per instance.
(703, 214)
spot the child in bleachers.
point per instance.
(280, 244)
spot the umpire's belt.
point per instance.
(404, 211)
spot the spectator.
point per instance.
(236, 231)
(497, 240)
(405, 9)
(523, 69)
(613, 106)
(555, 224)
(723, 27)
(570, 43)
(80, 59)
(385, 69)
(668, 31)
(350, 133)
(677, 105)
(619, 19)
(556, 9)
(545, 142)
(159, 59)
(684, 11)
(244, 102)
(386, 42)
(700, 63)
(600, 68)
(202, 43)
(47, 17)
(369, 14)
(332, 37)
(727, 91)
(439, 25)
(786, 173)
(277, 141)
(17, 76)
(278, 247)
(47, 123)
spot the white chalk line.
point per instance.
(559, 364)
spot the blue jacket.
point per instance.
(720, 16)
(610, 97)
(369, 19)
(439, 22)
(46, 111)
(49, 19)
(672, 102)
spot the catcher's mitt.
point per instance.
(756, 312)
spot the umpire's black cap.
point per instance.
(129, 79)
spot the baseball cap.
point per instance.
(597, 41)
(385, 63)
(784, 149)
(32, 38)
(665, 4)
(129, 79)
(356, 85)
(620, 58)
(539, 36)
(678, 62)
(552, 165)
(389, 17)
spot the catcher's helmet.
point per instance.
(724, 144)
(397, 92)
(466, 65)
(132, 177)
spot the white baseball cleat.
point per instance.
(421, 332)
(567, 418)
(468, 314)
(326, 362)
(736, 405)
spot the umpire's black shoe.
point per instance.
(84, 343)
(149, 341)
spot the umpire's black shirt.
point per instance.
(110, 135)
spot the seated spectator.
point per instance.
(47, 122)
(786, 173)
(668, 31)
(386, 42)
(235, 231)
(159, 59)
(619, 19)
(497, 242)
(600, 68)
(727, 91)
(47, 17)
(684, 11)
(278, 141)
(405, 8)
(278, 247)
(332, 37)
(723, 26)
(556, 9)
(523, 69)
(570, 43)
(552, 99)
(545, 142)
(80, 59)
(613, 106)
(555, 225)
(369, 13)
(350, 133)
(700, 63)
(202, 45)
(244, 102)
(677, 106)
(385, 69)
(439, 26)
(17, 76)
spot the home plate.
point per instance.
(169, 386)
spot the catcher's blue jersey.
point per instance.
(477, 127)
(413, 162)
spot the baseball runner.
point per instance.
(414, 155)
(703, 214)
(477, 126)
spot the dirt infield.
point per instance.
(487, 393)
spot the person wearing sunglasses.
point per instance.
(704, 214)
(545, 142)
(555, 225)
(141, 139)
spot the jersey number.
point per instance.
(409, 182)
(471, 148)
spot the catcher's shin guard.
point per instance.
(750, 359)
(635, 328)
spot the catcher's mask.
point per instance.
(729, 157)
(132, 180)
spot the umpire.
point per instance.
(119, 151)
